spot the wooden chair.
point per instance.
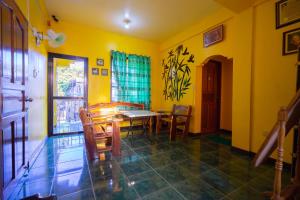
(178, 120)
(97, 137)
(96, 109)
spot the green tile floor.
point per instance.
(195, 168)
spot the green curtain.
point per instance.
(131, 78)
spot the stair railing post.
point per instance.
(282, 118)
(297, 169)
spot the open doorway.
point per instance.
(216, 108)
(67, 84)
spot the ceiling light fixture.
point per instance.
(127, 23)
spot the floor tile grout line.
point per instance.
(143, 158)
(127, 179)
(243, 184)
(157, 191)
(90, 176)
(228, 194)
(212, 168)
(54, 174)
(21, 181)
(161, 177)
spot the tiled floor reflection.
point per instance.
(196, 168)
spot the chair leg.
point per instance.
(173, 129)
(130, 128)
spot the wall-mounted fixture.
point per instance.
(54, 39)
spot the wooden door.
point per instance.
(13, 106)
(211, 95)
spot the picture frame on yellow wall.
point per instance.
(100, 62)
(95, 71)
(287, 12)
(291, 41)
(104, 72)
(213, 36)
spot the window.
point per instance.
(130, 81)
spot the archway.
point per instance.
(216, 97)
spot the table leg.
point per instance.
(150, 125)
(157, 124)
(116, 148)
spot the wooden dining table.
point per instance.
(120, 116)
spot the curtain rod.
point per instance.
(128, 54)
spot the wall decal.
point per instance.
(176, 73)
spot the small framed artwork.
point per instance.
(213, 36)
(287, 12)
(95, 71)
(104, 72)
(100, 62)
(291, 41)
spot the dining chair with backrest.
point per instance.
(114, 107)
(178, 120)
(97, 138)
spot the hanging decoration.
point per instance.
(176, 73)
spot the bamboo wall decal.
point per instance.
(176, 73)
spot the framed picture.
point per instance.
(100, 62)
(95, 71)
(213, 36)
(287, 14)
(104, 72)
(291, 41)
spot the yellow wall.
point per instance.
(263, 79)
(192, 38)
(226, 95)
(37, 86)
(274, 75)
(95, 43)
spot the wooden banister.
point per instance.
(287, 118)
(269, 145)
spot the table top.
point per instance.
(138, 113)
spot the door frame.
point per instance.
(219, 85)
(51, 56)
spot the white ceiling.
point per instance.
(154, 20)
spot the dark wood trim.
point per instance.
(11, 188)
(226, 131)
(62, 98)
(1, 164)
(18, 18)
(284, 42)
(219, 92)
(277, 20)
(219, 74)
(111, 66)
(51, 56)
(295, 140)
